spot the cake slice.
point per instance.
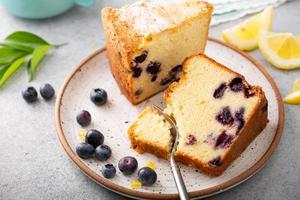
(218, 114)
(145, 137)
(147, 42)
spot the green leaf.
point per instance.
(8, 55)
(37, 56)
(24, 41)
(11, 69)
(3, 69)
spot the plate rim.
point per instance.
(195, 194)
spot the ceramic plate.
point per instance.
(114, 118)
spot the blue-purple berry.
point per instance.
(30, 94)
(102, 152)
(147, 176)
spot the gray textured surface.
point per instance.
(33, 164)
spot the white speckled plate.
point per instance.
(114, 118)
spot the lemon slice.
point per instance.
(280, 49)
(292, 98)
(244, 36)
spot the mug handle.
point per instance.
(85, 3)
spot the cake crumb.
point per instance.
(82, 135)
(151, 165)
(135, 184)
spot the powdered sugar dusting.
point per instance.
(147, 16)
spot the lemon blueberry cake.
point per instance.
(147, 42)
(217, 113)
(151, 133)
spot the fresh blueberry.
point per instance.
(47, 91)
(236, 85)
(141, 58)
(30, 94)
(223, 140)
(85, 150)
(225, 117)
(109, 171)
(84, 118)
(98, 96)
(147, 176)
(153, 78)
(219, 92)
(153, 67)
(128, 165)
(175, 70)
(94, 137)
(102, 152)
(136, 72)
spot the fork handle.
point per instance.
(178, 180)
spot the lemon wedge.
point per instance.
(280, 49)
(294, 95)
(244, 36)
(292, 98)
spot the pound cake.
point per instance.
(218, 114)
(147, 42)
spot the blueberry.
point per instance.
(236, 85)
(102, 152)
(47, 91)
(147, 176)
(30, 94)
(128, 165)
(153, 78)
(94, 137)
(223, 140)
(216, 161)
(85, 150)
(98, 96)
(109, 171)
(175, 70)
(141, 58)
(239, 115)
(136, 72)
(225, 117)
(153, 67)
(219, 92)
(84, 118)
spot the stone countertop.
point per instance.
(33, 164)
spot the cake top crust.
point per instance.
(148, 16)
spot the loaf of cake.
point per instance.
(147, 42)
(217, 113)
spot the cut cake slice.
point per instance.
(147, 42)
(218, 114)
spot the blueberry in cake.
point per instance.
(147, 42)
(218, 114)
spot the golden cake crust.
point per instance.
(122, 42)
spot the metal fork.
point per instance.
(175, 169)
